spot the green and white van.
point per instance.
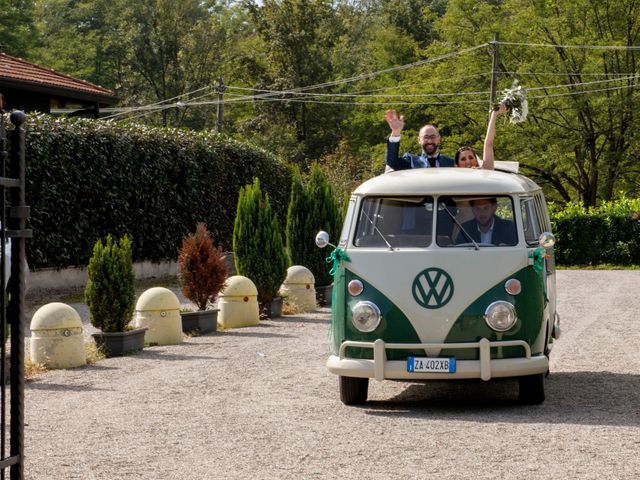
(443, 274)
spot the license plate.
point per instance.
(431, 365)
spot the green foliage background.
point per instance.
(87, 179)
(608, 234)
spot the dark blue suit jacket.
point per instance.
(504, 232)
(409, 160)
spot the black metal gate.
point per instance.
(13, 215)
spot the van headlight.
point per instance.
(500, 316)
(365, 316)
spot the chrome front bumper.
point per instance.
(485, 368)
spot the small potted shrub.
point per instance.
(110, 295)
(202, 273)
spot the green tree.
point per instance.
(295, 234)
(82, 38)
(298, 38)
(579, 145)
(17, 27)
(313, 207)
(259, 253)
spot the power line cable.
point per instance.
(584, 47)
(393, 87)
(584, 74)
(566, 94)
(310, 95)
(351, 79)
(129, 109)
(580, 84)
(380, 72)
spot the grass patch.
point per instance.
(32, 369)
(72, 298)
(603, 266)
(192, 333)
(94, 353)
(166, 282)
(289, 308)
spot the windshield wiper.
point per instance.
(455, 220)
(377, 230)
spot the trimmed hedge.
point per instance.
(87, 179)
(607, 234)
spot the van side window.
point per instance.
(486, 221)
(530, 220)
(395, 222)
(344, 234)
(543, 213)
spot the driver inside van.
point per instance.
(486, 227)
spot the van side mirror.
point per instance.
(547, 239)
(322, 239)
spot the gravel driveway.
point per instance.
(259, 403)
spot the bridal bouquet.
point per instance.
(515, 99)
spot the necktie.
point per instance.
(432, 161)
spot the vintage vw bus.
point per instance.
(443, 274)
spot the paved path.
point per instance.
(258, 403)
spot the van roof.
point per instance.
(446, 181)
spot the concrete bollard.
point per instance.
(56, 337)
(158, 309)
(238, 303)
(299, 288)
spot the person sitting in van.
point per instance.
(466, 156)
(486, 227)
(428, 139)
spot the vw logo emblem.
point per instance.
(432, 288)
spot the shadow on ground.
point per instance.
(585, 398)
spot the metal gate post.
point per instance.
(16, 224)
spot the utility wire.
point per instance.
(309, 96)
(381, 89)
(379, 72)
(584, 47)
(584, 74)
(583, 92)
(161, 105)
(124, 112)
(342, 81)
(357, 95)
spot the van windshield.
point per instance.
(395, 222)
(484, 221)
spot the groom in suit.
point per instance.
(486, 227)
(429, 140)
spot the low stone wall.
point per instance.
(71, 278)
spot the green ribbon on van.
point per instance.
(337, 256)
(538, 266)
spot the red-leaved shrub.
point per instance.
(201, 268)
